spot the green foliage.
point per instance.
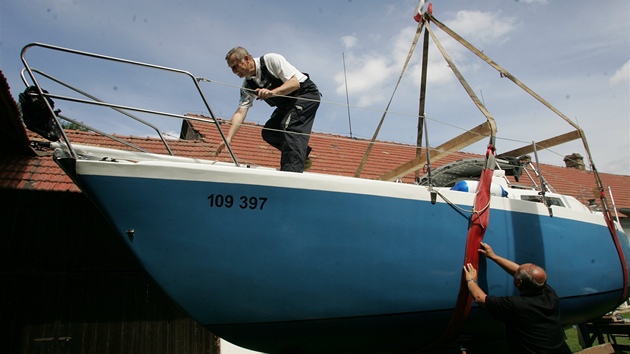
(72, 126)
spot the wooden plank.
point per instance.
(470, 137)
(600, 349)
(545, 144)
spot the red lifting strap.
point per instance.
(476, 230)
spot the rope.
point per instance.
(468, 211)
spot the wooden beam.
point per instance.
(545, 144)
(470, 137)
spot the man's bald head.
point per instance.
(530, 278)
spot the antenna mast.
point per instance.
(345, 79)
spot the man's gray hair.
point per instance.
(239, 52)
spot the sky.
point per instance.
(575, 54)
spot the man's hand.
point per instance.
(264, 93)
(471, 272)
(285, 89)
(486, 250)
(221, 147)
(509, 266)
(471, 282)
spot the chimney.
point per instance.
(574, 160)
(188, 132)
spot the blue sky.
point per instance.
(575, 54)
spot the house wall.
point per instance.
(70, 285)
(625, 224)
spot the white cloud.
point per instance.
(483, 27)
(370, 75)
(622, 75)
(402, 43)
(349, 41)
(364, 81)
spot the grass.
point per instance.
(574, 344)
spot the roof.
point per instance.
(33, 173)
(31, 167)
(331, 154)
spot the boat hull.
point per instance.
(272, 260)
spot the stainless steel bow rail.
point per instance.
(123, 109)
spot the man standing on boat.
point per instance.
(273, 79)
(532, 319)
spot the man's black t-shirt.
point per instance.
(532, 321)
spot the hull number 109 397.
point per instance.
(243, 202)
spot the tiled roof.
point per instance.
(332, 154)
(33, 173)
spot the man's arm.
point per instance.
(507, 265)
(237, 119)
(279, 67)
(471, 281)
(286, 88)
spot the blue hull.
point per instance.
(271, 260)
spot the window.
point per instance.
(538, 198)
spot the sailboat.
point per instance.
(376, 266)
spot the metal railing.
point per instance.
(123, 109)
